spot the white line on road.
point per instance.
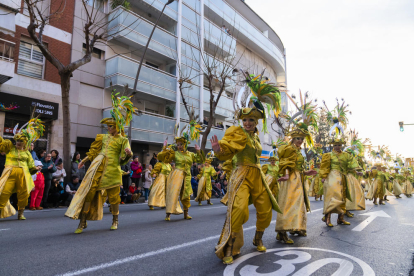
(153, 253)
(372, 216)
(5, 229)
(213, 207)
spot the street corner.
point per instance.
(301, 261)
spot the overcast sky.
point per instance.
(361, 50)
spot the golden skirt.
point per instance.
(202, 193)
(8, 210)
(357, 194)
(397, 190)
(334, 193)
(96, 207)
(273, 185)
(292, 203)
(175, 183)
(157, 194)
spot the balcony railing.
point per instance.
(224, 106)
(122, 70)
(219, 38)
(125, 24)
(246, 28)
(150, 128)
(170, 10)
(7, 50)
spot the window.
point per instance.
(151, 111)
(31, 60)
(151, 64)
(97, 4)
(6, 50)
(96, 53)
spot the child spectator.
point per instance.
(37, 193)
(55, 190)
(133, 193)
(71, 189)
(122, 194)
(147, 182)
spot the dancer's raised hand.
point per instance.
(215, 143)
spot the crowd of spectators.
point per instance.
(51, 190)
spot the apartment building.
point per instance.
(177, 46)
(27, 81)
(189, 32)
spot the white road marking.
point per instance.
(153, 253)
(372, 216)
(231, 269)
(315, 210)
(5, 229)
(213, 207)
(410, 224)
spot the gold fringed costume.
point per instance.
(335, 167)
(157, 194)
(271, 172)
(377, 189)
(397, 190)
(316, 188)
(356, 192)
(228, 167)
(247, 185)
(293, 199)
(107, 154)
(204, 184)
(179, 180)
(16, 177)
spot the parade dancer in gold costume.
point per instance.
(247, 183)
(204, 184)
(179, 180)
(19, 167)
(293, 194)
(107, 153)
(334, 171)
(271, 172)
(160, 171)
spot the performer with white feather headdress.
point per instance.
(247, 183)
(19, 167)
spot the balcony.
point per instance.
(133, 30)
(219, 10)
(122, 70)
(149, 127)
(215, 37)
(224, 107)
(6, 60)
(170, 10)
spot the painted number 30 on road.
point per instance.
(298, 262)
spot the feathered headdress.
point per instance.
(338, 119)
(257, 99)
(29, 132)
(209, 157)
(299, 123)
(194, 127)
(121, 113)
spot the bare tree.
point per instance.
(95, 26)
(218, 66)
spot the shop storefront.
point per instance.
(18, 110)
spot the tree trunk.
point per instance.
(65, 87)
(206, 133)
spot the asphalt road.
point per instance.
(145, 244)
